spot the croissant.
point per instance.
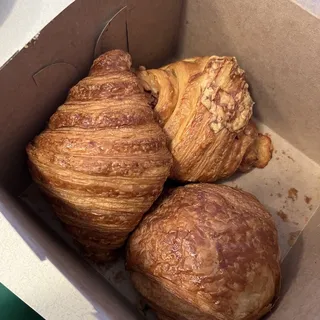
(103, 159)
(204, 106)
(206, 252)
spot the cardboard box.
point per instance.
(276, 42)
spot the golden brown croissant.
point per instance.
(206, 252)
(205, 108)
(103, 159)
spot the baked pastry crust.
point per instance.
(206, 252)
(204, 106)
(103, 159)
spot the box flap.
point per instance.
(35, 82)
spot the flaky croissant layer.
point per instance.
(204, 106)
(103, 159)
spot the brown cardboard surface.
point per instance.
(289, 187)
(276, 43)
(300, 294)
(153, 30)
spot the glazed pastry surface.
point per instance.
(103, 159)
(204, 107)
(206, 252)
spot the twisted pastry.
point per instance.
(102, 160)
(204, 106)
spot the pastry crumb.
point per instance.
(283, 216)
(289, 157)
(293, 194)
(307, 199)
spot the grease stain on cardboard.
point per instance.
(293, 194)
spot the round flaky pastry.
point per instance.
(206, 252)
